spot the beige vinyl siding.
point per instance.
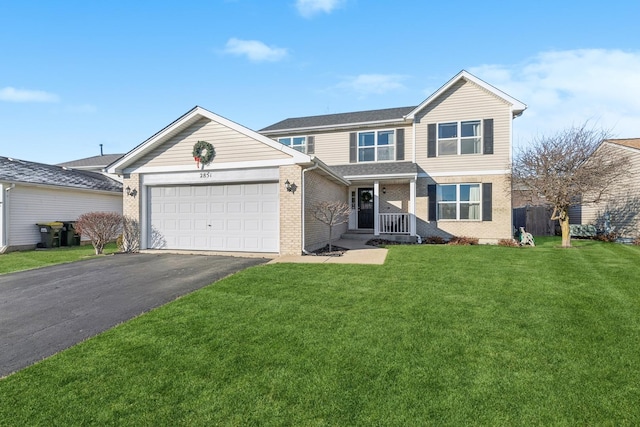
(31, 205)
(333, 147)
(500, 227)
(623, 200)
(466, 101)
(230, 145)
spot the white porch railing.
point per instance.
(394, 223)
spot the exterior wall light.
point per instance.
(131, 192)
(290, 187)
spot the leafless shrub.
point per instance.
(100, 227)
(606, 237)
(129, 240)
(331, 213)
(508, 242)
(463, 241)
(434, 240)
(636, 241)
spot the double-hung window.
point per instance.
(460, 138)
(297, 143)
(376, 146)
(459, 202)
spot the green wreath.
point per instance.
(366, 196)
(203, 152)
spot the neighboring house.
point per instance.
(94, 163)
(32, 193)
(438, 168)
(619, 212)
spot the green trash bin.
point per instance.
(50, 234)
(69, 235)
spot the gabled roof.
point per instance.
(517, 107)
(186, 120)
(399, 115)
(95, 162)
(627, 142)
(22, 171)
(387, 115)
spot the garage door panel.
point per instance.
(251, 207)
(252, 225)
(234, 207)
(239, 217)
(234, 190)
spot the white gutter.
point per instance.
(315, 166)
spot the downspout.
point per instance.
(315, 166)
(4, 214)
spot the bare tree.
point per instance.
(100, 227)
(332, 214)
(567, 169)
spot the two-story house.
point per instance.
(438, 168)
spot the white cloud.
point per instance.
(377, 84)
(11, 94)
(255, 50)
(567, 88)
(309, 8)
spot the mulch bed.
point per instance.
(383, 242)
(335, 251)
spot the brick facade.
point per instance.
(131, 205)
(290, 211)
(318, 188)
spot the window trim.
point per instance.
(458, 202)
(305, 145)
(459, 138)
(375, 146)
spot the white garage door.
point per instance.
(240, 217)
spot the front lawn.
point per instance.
(26, 260)
(439, 335)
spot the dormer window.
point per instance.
(376, 146)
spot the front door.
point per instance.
(365, 207)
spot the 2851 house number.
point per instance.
(205, 174)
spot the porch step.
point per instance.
(357, 235)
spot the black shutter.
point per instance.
(488, 136)
(311, 144)
(353, 148)
(433, 203)
(486, 201)
(399, 144)
(431, 140)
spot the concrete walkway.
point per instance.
(358, 253)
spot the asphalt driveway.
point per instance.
(46, 310)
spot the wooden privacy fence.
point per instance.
(535, 220)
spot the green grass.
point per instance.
(439, 335)
(27, 260)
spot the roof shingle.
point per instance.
(339, 119)
(14, 170)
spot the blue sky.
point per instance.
(76, 74)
